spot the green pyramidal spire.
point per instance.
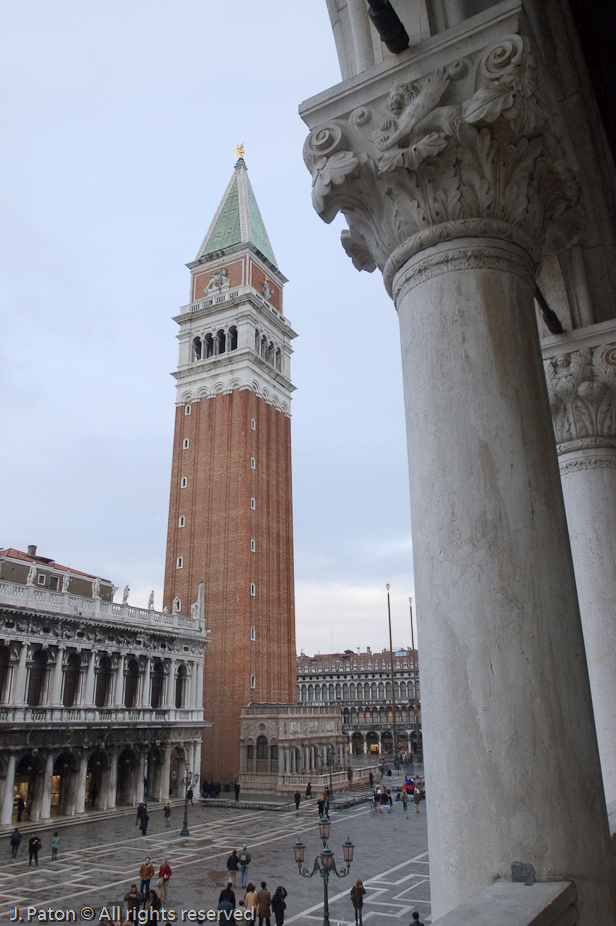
(237, 219)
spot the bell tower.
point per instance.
(230, 510)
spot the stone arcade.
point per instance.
(98, 701)
(464, 166)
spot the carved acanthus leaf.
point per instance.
(582, 390)
(468, 144)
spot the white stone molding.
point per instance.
(582, 390)
(464, 151)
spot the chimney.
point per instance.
(368, 650)
(31, 550)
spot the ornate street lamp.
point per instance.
(187, 782)
(324, 864)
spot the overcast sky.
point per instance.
(120, 121)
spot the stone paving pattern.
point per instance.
(98, 861)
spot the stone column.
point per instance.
(139, 779)
(581, 375)
(455, 203)
(146, 684)
(20, 695)
(171, 685)
(166, 773)
(88, 699)
(112, 779)
(56, 679)
(119, 682)
(46, 795)
(82, 777)
(9, 787)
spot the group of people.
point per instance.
(260, 903)
(34, 846)
(144, 895)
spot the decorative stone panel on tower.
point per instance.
(230, 512)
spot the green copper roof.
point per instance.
(237, 218)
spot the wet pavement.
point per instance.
(98, 861)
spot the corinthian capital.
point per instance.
(582, 390)
(465, 150)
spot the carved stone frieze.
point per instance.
(582, 390)
(466, 151)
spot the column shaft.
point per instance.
(503, 669)
(82, 777)
(7, 797)
(19, 695)
(46, 796)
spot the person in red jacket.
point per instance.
(164, 874)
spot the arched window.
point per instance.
(317, 693)
(232, 338)
(208, 346)
(352, 691)
(403, 689)
(263, 346)
(338, 692)
(270, 352)
(180, 687)
(388, 691)
(221, 338)
(331, 693)
(381, 691)
(5, 670)
(262, 747)
(373, 691)
(257, 341)
(103, 682)
(132, 684)
(158, 684)
(196, 349)
(310, 693)
(72, 676)
(345, 692)
(36, 683)
(278, 359)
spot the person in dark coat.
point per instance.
(133, 900)
(226, 900)
(297, 798)
(140, 810)
(15, 842)
(21, 806)
(189, 796)
(357, 899)
(416, 919)
(236, 788)
(233, 864)
(144, 821)
(34, 847)
(321, 805)
(278, 904)
(308, 790)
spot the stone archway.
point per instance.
(28, 784)
(177, 770)
(372, 742)
(128, 772)
(357, 744)
(97, 781)
(155, 786)
(64, 783)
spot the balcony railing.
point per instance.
(115, 715)
(71, 605)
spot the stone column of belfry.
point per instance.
(453, 183)
(580, 369)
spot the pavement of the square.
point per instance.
(98, 861)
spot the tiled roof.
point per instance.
(44, 562)
(237, 219)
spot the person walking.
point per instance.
(226, 898)
(417, 798)
(245, 858)
(416, 922)
(250, 901)
(297, 798)
(321, 805)
(405, 799)
(308, 791)
(236, 788)
(21, 806)
(152, 902)
(167, 813)
(357, 899)
(34, 847)
(15, 842)
(233, 864)
(55, 845)
(144, 821)
(164, 873)
(189, 796)
(264, 900)
(146, 873)
(278, 904)
(140, 809)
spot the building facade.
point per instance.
(359, 685)
(100, 702)
(230, 512)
